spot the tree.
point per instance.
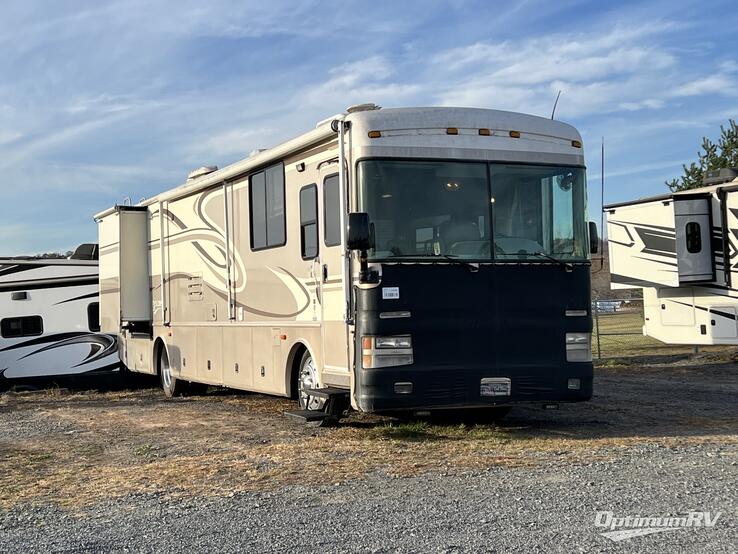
(713, 156)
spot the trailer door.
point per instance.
(692, 223)
(333, 309)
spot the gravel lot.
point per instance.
(127, 470)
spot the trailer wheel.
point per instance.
(307, 378)
(171, 385)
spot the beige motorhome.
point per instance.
(680, 249)
(359, 260)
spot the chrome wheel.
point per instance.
(308, 379)
(166, 370)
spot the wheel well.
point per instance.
(158, 345)
(293, 367)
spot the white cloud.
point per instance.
(720, 83)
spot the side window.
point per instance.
(309, 222)
(267, 209)
(694, 237)
(332, 211)
(93, 317)
(28, 326)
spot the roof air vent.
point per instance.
(719, 176)
(200, 171)
(368, 107)
(257, 151)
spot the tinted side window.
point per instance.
(267, 208)
(332, 211)
(258, 210)
(29, 326)
(309, 222)
(694, 237)
(93, 317)
(275, 206)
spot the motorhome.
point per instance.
(49, 322)
(680, 249)
(408, 259)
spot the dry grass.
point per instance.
(117, 444)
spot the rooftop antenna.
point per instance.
(553, 112)
(602, 201)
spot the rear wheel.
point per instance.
(307, 378)
(171, 385)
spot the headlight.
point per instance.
(578, 347)
(391, 351)
(393, 342)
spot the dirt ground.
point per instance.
(73, 448)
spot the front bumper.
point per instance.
(447, 388)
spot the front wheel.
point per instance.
(307, 378)
(171, 385)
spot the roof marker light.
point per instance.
(515, 134)
(375, 134)
(576, 144)
(452, 131)
(485, 132)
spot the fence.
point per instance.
(618, 330)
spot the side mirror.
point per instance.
(594, 238)
(359, 232)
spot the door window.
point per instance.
(309, 222)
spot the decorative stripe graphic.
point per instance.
(90, 295)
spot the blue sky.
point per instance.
(103, 100)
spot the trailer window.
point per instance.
(332, 211)
(93, 317)
(267, 209)
(694, 237)
(28, 326)
(309, 222)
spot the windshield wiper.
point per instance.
(450, 257)
(453, 259)
(562, 263)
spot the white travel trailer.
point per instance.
(680, 249)
(396, 259)
(49, 318)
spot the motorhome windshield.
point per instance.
(473, 210)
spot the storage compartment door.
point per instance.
(694, 250)
(723, 322)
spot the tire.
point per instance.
(171, 385)
(307, 377)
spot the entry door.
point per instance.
(693, 231)
(333, 328)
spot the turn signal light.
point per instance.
(576, 144)
(515, 134)
(375, 134)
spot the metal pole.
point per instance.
(597, 323)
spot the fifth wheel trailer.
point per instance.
(49, 323)
(680, 249)
(411, 259)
